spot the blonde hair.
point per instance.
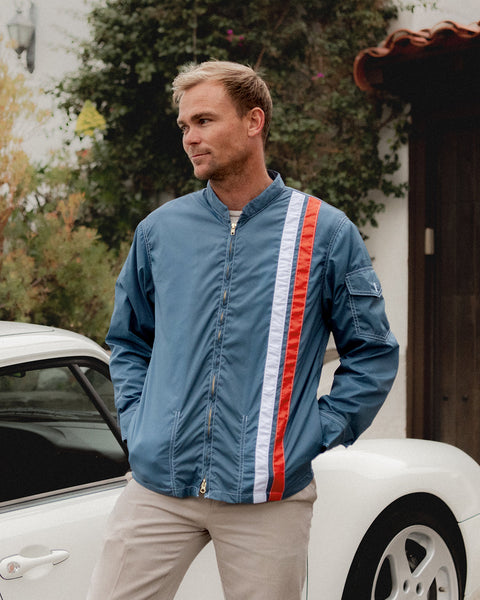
(244, 86)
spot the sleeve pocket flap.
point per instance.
(363, 282)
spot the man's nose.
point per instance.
(191, 136)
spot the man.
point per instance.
(223, 311)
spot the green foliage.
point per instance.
(16, 107)
(57, 273)
(412, 6)
(325, 132)
(52, 270)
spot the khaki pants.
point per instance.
(152, 539)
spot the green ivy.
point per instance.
(325, 133)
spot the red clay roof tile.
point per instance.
(411, 45)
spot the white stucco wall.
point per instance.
(388, 247)
(56, 21)
(463, 12)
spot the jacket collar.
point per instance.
(254, 206)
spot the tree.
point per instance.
(15, 171)
(325, 132)
(52, 270)
(56, 272)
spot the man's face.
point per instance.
(215, 137)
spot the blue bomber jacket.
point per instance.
(218, 336)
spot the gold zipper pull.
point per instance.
(203, 486)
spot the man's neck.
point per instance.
(236, 192)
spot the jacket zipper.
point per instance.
(203, 485)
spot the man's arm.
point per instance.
(368, 350)
(131, 332)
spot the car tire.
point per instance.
(414, 549)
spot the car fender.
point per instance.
(355, 484)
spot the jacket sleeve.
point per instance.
(131, 332)
(354, 306)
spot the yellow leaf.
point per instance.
(89, 120)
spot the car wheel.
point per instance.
(412, 550)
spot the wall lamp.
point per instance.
(21, 29)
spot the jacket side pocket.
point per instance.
(176, 419)
(241, 461)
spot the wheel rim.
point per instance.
(417, 563)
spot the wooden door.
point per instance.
(453, 281)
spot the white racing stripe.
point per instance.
(275, 342)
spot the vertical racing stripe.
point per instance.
(297, 312)
(275, 343)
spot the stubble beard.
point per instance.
(219, 172)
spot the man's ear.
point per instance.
(256, 121)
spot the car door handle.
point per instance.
(16, 566)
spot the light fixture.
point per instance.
(21, 30)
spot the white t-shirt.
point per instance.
(234, 216)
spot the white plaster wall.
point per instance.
(56, 22)
(462, 12)
(388, 247)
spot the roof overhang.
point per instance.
(407, 59)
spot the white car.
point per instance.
(394, 519)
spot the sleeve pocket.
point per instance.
(366, 303)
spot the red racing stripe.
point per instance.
(297, 311)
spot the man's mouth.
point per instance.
(197, 155)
